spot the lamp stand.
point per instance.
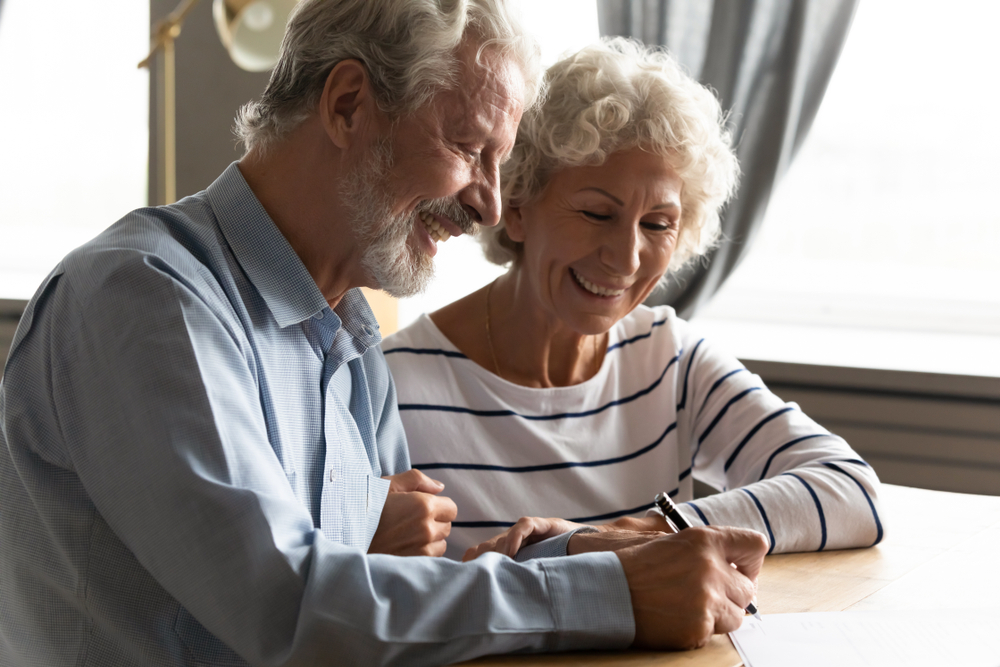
(163, 36)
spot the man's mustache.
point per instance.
(450, 208)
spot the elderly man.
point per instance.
(202, 462)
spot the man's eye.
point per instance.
(595, 216)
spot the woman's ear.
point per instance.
(514, 223)
(346, 104)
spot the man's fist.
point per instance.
(690, 585)
(415, 519)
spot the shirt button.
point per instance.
(368, 331)
(318, 316)
(333, 475)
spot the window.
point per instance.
(880, 245)
(74, 136)
(879, 249)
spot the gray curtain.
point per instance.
(770, 62)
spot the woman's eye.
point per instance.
(595, 216)
(659, 226)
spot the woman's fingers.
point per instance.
(495, 543)
(525, 527)
(526, 530)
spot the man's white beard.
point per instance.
(398, 268)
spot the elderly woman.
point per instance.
(555, 392)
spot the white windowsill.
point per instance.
(849, 347)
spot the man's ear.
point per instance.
(347, 104)
(514, 224)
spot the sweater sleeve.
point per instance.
(779, 471)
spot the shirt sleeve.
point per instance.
(164, 426)
(552, 547)
(394, 454)
(390, 439)
(779, 471)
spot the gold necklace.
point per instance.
(489, 336)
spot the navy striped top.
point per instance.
(665, 406)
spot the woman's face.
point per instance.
(599, 238)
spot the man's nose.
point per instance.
(481, 198)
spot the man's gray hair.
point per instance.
(408, 47)
(612, 96)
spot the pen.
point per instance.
(669, 510)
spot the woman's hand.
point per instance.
(527, 530)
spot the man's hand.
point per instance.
(646, 523)
(530, 529)
(415, 520)
(609, 540)
(693, 584)
(624, 532)
(527, 530)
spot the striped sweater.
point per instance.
(665, 407)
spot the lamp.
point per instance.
(251, 31)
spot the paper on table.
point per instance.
(970, 638)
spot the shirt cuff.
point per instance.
(553, 547)
(591, 603)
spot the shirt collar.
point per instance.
(358, 318)
(272, 265)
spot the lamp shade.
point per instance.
(251, 30)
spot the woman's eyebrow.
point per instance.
(605, 193)
(669, 204)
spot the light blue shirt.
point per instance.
(191, 452)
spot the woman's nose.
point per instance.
(620, 252)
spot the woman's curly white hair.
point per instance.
(611, 96)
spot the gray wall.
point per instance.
(10, 313)
(210, 89)
(927, 430)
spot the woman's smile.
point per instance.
(597, 240)
(593, 288)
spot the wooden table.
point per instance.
(940, 552)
